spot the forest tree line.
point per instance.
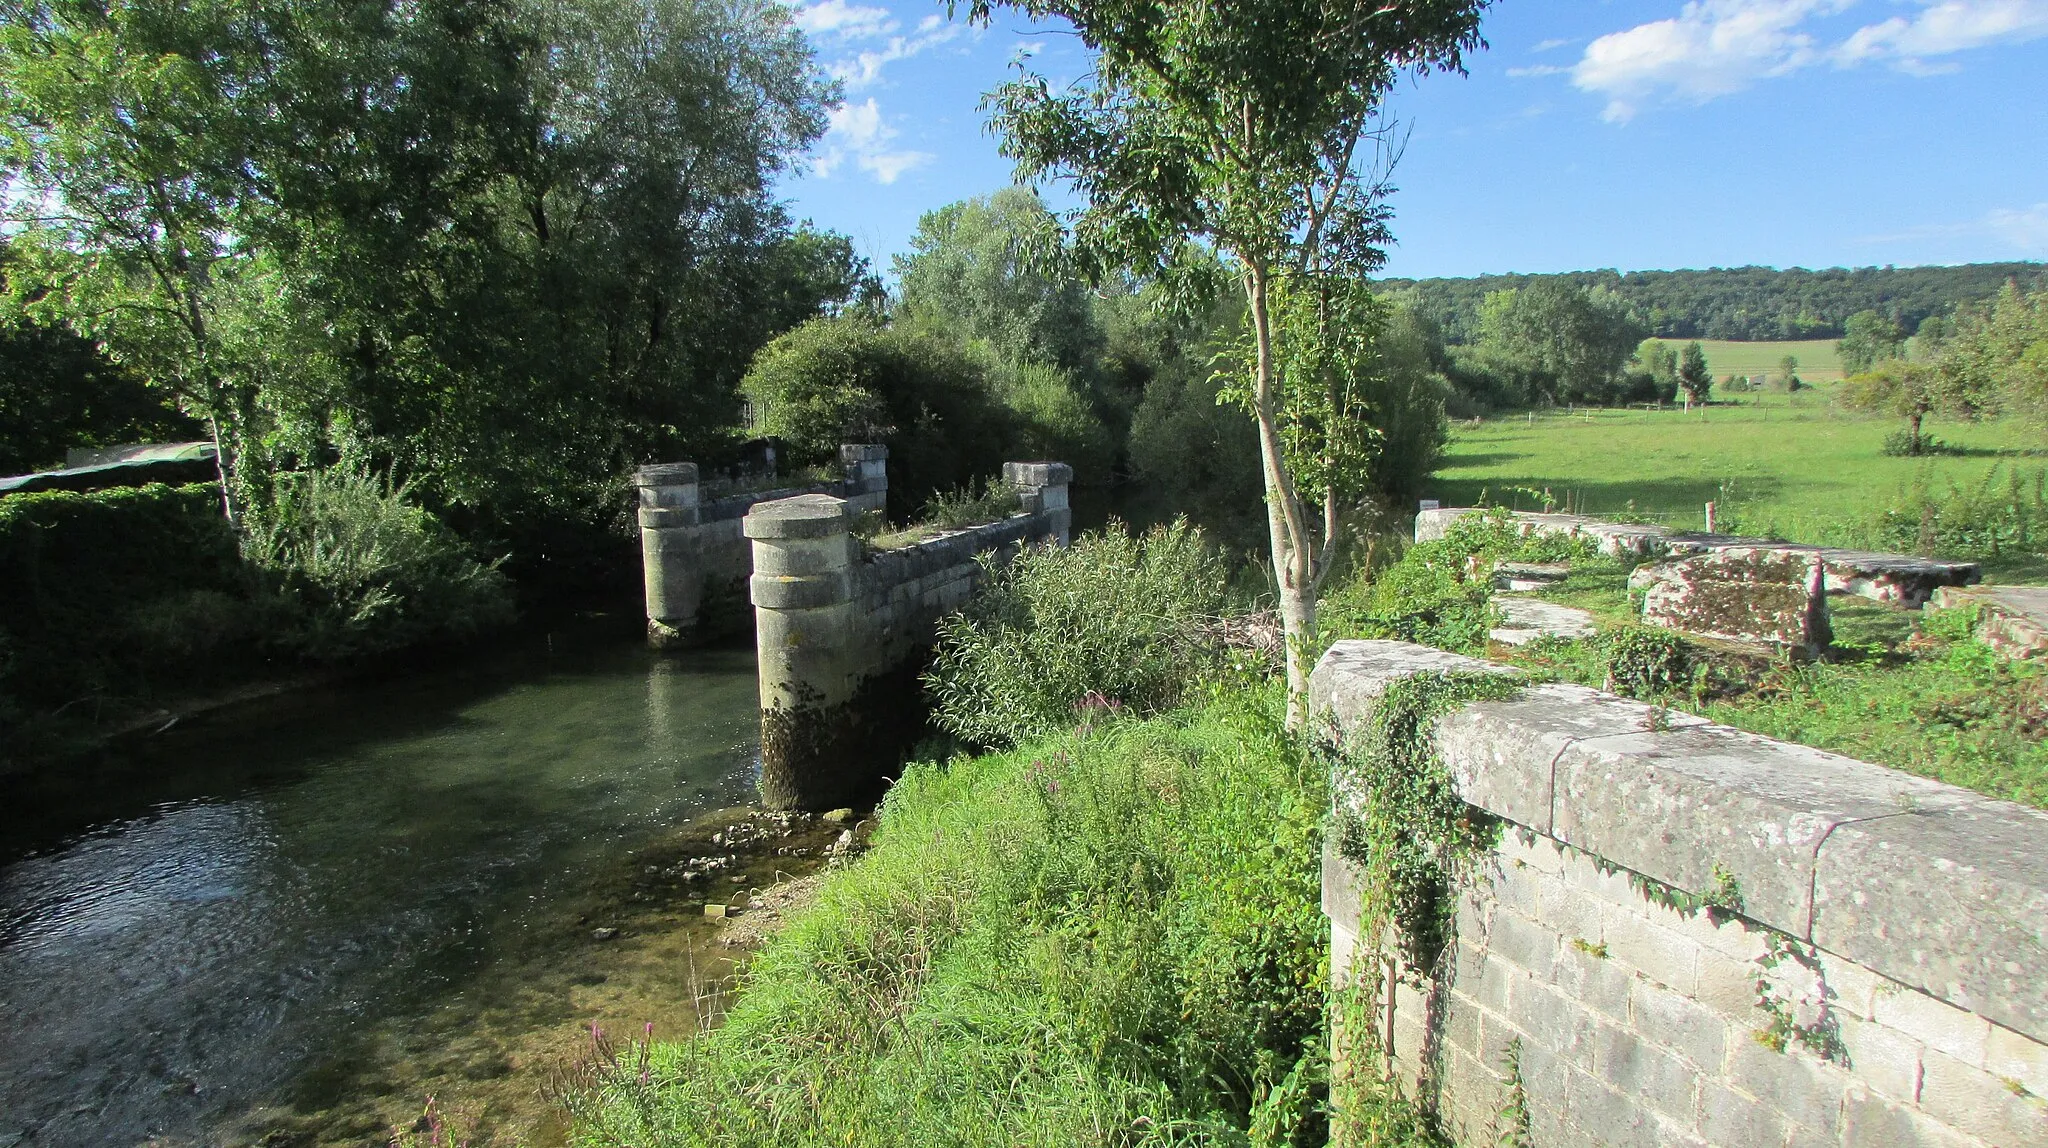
(1741, 303)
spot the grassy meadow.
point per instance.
(1818, 362)
(1788, 464)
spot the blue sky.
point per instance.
(1591, 133)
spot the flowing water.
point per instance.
(289, 927)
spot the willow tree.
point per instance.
(1252, 127)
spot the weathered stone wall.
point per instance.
(841, 632)
(696, 558)
(1883, 982)
(1899, 579)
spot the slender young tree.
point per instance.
(1693, 375)
(1254, 128)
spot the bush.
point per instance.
(1644, 662)
(2005, 513)
(1904, 443)
(971, 506)
(848, 379)
(1113, 616)
(1053, 417)
(367, 570)
(94, 585)
(1106, 939)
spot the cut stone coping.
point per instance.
(805, 516)
(1931, 885)
(1899, 579)
(1516, 577)
(1523, 620)
(666, 474)
(1037, 473)
(2013, 619)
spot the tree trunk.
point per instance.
(1293, 549)
(1915, 417)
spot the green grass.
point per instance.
(1110, 937)
(1794, 464)
(1818, 362)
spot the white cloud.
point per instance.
(1943, 28)
(843, 20)
(856, 132)
(1714, 48)
(864, 69)
(1536, 70)
(2023, 230)
(1711, 48)
(1549, 45)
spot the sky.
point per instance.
(1632, 134)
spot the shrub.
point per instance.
(1113, 615)
(1904, 443)
(848, 379)
(366, 569)
(971, 505)
(1103, 939)
(1643, 662)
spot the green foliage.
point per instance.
(848, 379)
(508, 248)
(2004, 512)
(1747, 304)
(1105, 939)
(57, 391)
(2000, 351)
(368, 570)
(1644, 661)
(970, 506)
(990, 269)
(1052, 418)
(1693, 374)
(1113, 621)
(1557, 343)
(1399, 817)
(1869, 338)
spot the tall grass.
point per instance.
(2004, 512)
(1109, 937)
(1114, 620)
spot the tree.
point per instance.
(1253, 127)
(1693, 374)
(1869, 338)
(1999, 352)
(1660, 359)
(991, 268)
(1912, 391)
(1788, 373)
(1565, 343)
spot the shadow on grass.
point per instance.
(1680, 499)
(1458, 458)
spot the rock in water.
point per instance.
(1744, 594)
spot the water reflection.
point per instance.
(252, 913)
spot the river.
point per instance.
(290, 925)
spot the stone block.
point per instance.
(1519, 577)
(862, 452)
(667, 517)
(1666, 957)
(1679, 805)
(1742, 594)
(1037, 473)
(1347, 681)
(1727, 988)
(1799, 1087)
(2011, 1056)
(1599, 983)
(1972, 1101)
(781, 592)
(1554, 1021)
(1870, 1119)
(1677, 1022)
(805, 516)
(1732, 1119)
(1884, 1058)
(1524, 620)
(1951, 898)
(662, 475)
(1610, 1116)
(1526, 944)
(1500, 753)
(1340, 885)
(1934, 1023)
(2011, 619)
(1649, 1074)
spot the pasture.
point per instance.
(1818, 362)
(1786, 464)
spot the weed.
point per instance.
(1589, 948)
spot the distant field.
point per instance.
(1791, 464)
(1818, 362)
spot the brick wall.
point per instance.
(1884, 982)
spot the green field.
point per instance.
(1791, 464)
(1818, 362)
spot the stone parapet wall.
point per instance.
(840, 631)
(1899, 579)
(695, 558)
(1884, 980)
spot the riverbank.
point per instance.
(1110, 935)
